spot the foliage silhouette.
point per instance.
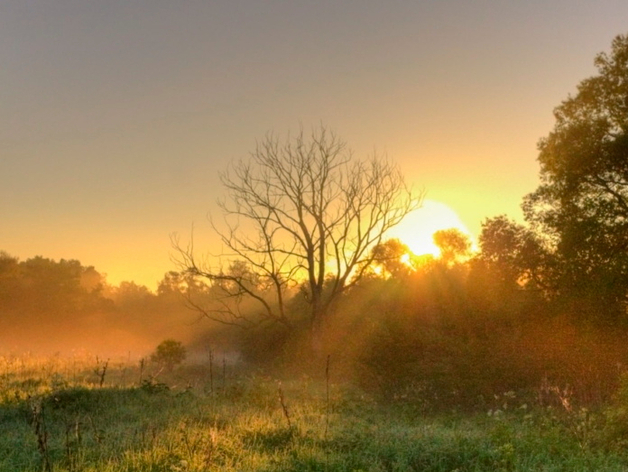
(581, 206)
(168, 354)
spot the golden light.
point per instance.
(417, 228)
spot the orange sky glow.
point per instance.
(117, 117)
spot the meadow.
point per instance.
(89, 414)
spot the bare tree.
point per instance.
(299, 215)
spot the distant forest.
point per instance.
(50, 306)
(541, 306)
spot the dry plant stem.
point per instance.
(284, 408)
(103, 372)
(39, 427)
(142, 365)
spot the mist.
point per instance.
(64, 308)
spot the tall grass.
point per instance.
(66, 415)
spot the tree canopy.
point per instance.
(581, 206)
(453, 244)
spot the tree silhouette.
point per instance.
(582, 202)
(301, 213)
(168, 354)
(393, 258)
(515, 255)
(453, 244)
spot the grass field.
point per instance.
(88, 415)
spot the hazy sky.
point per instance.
(116, 116)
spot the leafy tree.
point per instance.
(393, 258)
(454, 245)
(301, 210)
(9, 279)
(172, 285)
(515, 254)
(582, 202)
(50, 287)
(129, 294)
(177, 287)
(169, 353)
(513, 269)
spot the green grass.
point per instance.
(180, 425)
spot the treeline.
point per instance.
(49, 306)
(459, 329)
(542, 308)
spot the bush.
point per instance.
(169, 354)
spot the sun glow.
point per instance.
(418, 227)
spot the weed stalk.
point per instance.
(284, 407)
(142, 366)
(101, 372)
(39, 427)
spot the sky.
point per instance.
(117, 117)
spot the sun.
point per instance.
(417, 228)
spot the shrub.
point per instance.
(169, 354)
